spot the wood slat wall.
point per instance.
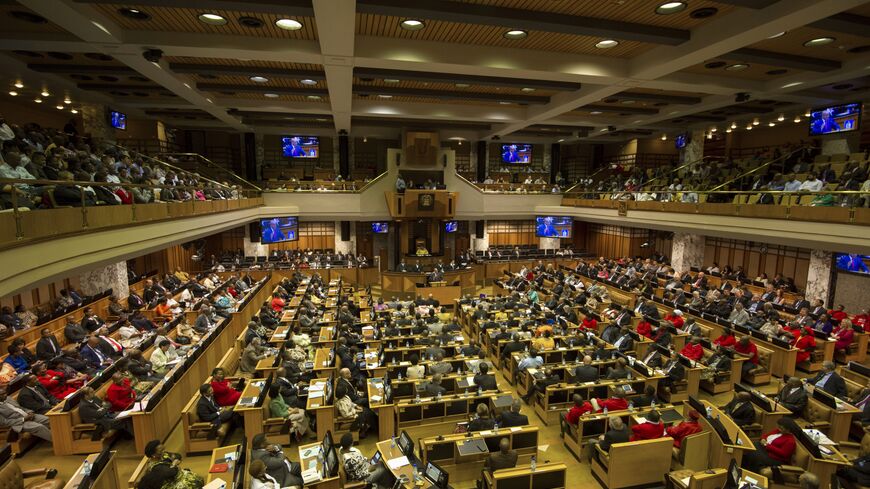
(42, 295)
(757, 258)
(502, 233)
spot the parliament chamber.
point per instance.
(469, 244)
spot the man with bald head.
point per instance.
(504, 458)
(347, 380)
(586, 372)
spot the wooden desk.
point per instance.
(308, 459)
(720, 452)
(230, 475)
(445, 295)
(108, 478)
(389, 452)
(714, 479)
(324, 411)
(386, 418)
(445, 451)
(252, 413)
(323, 364)
(549, 476)
(280, 335)
(430, 411)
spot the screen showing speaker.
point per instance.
(300, 146)
(118, 120)
(381, 227)
(515, 153)
(850, 262)
(836, 118)
(451, 226)
(553, 226)
(278, 229)
(681, 140)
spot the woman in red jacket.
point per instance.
(805, 343)
(688, 427)
(224, 395)
(53, 381)
(650, 430)
(644, 328)
(693, 349)
(120, 395)
(589, 323)
(774, 448)
(727, 339)
(844, 335)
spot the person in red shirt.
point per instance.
(688, 427)
(277, 303)
(224, 395)
(844, 335)
(650, 430)
(727, 339)
(644, 328)
(861, 320)
(747, 348)
(675, 318)
(774, 448)
(53, 381)
(805, 343)
(580, 407)
(589, 323)
(162, 309)
(693, 349)
(615, 403)
(838, 314)
(120, 395)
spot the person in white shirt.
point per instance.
(792, 184)
(163, 357)
(259, 478)
(812, 184)
(6, 132)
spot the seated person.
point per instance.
(647, 398)
(688, 427)
(278, 466)
(859, 472)
(431, 387)
(279, 409)
(726, 339)
(617, 432)
(504, 458)
(740, 409)
(357, 467)
(224, 395)
(651, 429)
(615, 403)
(512, 416)
(162, 470)
(163, 358)
(618, 371)
(120, 395)
(54, 382)
(34, 396)
(94, 410)
(483, 421)
(16, 359)
(363, 417)
(793, 396)
(540, 385)
(693, 349)
(572, 417)
(774, 448)
(483, 380)
(717, 364)
(745, 348)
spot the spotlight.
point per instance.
(741, 97)
(152, 55)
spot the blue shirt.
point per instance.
(18, 363)
(530, 362)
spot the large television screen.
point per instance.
(681, 140)
(451, 226)
(278, 229)
(553, 226)
(516, 153)
(836, 118)
(853, 263)
(380, 227)
(118, 120)
(300, 146)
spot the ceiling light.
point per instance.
(737, 67)
(664, 137)
(67, 101)
(461, 85)
(13, 93)
(412, 24)
(45, 93)
(710, 135)
(313, 97)
(385, 96)
(133, 13)
(781, 117)
(74, 111)
(602, 130)
(390, 80)
(714, 129)
(270, 95)
(733, 125)
(212, 19)
(58, 107)
(502, 102)
(755, 121)
(792, 84)
(308, 81)
(771, 123)
(819, 41)
(595, 112)
(516, 34)
(38, 100)
(288, 24)
(321, 119)
(606, 44)
(728, 130)
(460, 142)
(797, 118)
(627, 102)
(807, 113)
(209, 100)
(259, 79)
(668, 8)
(18, 84)
(187, 85)
(527, 89)
(749, 127)
(778, 34)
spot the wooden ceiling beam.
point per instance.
(218, 70)
(300, 8)
(449, 94)
(793, 61)
(489, 81)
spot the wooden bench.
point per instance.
(200, 436)
(549, 475)
(649, 459)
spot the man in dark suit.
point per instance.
(740, 409)
(617, 433)
(623, 319)
(207, 409)
(586, 372)
(504, 458)
(432, 387)
(674, 372)
(90, 321)
(513, 417)
(93, 410)
(35, 397)
(793, 396)
(93, 356)
(73, 332)
(829, 380)
(624, 343)
(47, 347)
(135, 301)
(483, 380)
(514, 345)
(540, 385)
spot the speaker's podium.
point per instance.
(440, 291)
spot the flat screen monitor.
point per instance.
(118, 120)
(406, 444)
(381, 227)
(436, 475)
(681, 140)
(451, 226)
(278, 229)
(516, 153)
(849, 262)
(698, 406)
(553, 226)
(300, 146)
(720, 430)
(835, 118)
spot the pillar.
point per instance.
(95, 121)
(480, 161)
(253, 248)
(259, 153)
(548, 243)
(348, 246)
(112, 276)
(694, 149)
(819, 276)
(687, 251)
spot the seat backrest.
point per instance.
(764, 358)
(816, 411)
(10, 475)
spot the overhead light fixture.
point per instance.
(461, 85)
(728, 130)
(527, 89)
(460, 142)
(212, 19)
(709, 135)
(270, 95)
(607, 44)
(714, 129)
(819, 41)
(365, 139)
(502, 102)
(288, 24)
(781, 117)
(308, 81)
(209, 100)
(391, 80)
(771, 124)
(18, 84)
(313, 97)
(38, 100)
(733, 125)
(67, 101)
(627, 102)
(187, 85)
(603, 130)
(664, 137)
(807, 113)
(321, 119)
(259, 79)
(749, 127)
(59, 107)
(412, 24)
(737, 67)
(755, 121)
(13, 93)
(516, 34)
(669, 8)
(778, 34)
(74, 111)
(595, 112)
(385, 96)
(797, 118)
(792, 84)
(45, 93)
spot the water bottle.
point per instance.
(527, 348)
(479, 391)
(417, 397)
(630, 405)
(816, 437)
(495, 427)
(709, 412)
(458, 370)
(628, 376)
(399, 376)
(392, 443)
(652, 404)
(533, 463)
(564, 361)
(320, 458)
(438, 396)
(414, 472)
(604, 410)
(86, 468)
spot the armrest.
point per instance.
(34, 472)
(201, 426)
(487, 479)
(793, 469)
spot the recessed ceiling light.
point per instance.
(607, 43)
(729, 130)
(308, 81)
(462, 85)
(527, 89)
(755, 121)
(664, 137)
(781, 117)
(797, 118)
(627, 102)
(38, 100)
(321, 119)
(792, 84)
(391, 80)
(288, 24)
(668, 8)
(516, 34)
(212, 19)
(733, 125)
(602, 130)
(259, 79)
(715, 64)
(132, 13)
(595, 112)
(819, 41)
(737, 67)
(313, 97)
(270, 95)
(45, 93)
(58, 107)
(412, 24)
(778, 34)
(13, 93)
(502, 102)
(385, 96)
(74, 111)
(749, 127)
(771, 124)
(18, 84)
(807, 113)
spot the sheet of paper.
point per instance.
(543, 448)
(398, 462)
(485, 433)
(514, 429)
(315, 394)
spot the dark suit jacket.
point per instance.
(90, 358)
(793, 401)
(94, 412)
(586, 373)
(835, 385)
(428, 388)
(742, 413)
(485, 382)
(510, 418)
(47, 348)
(500, 460)
(208, 411)
(74, 333)
(614, 436)
(29, 399)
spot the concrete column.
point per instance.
(687, 251)
(694, 150)
(480, 243)
(113, 276)
(95, 122)
(348, 246)
(253, 248)
(819, 276)
(548, 158)
(548, 243)
(259, 153)
(841, 145)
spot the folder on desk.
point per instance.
(471, 446)
(503, 401)
(247, 401)
(670, 416)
